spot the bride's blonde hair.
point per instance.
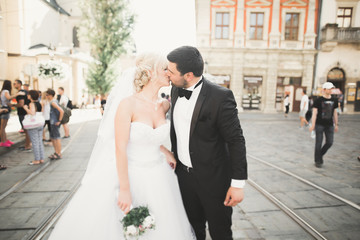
(147, 65)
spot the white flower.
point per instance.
(149, 221)
(52, 69)
(131, 230)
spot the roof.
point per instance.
(56, 6)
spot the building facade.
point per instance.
(338, 60)
(33, 31)
(266, 48)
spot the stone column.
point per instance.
(269, 96)
(203, 12)
(309, 37)
(308, 68)
(239, 33)
(275, 34)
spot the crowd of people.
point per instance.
(53, 109)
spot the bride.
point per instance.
(129, 166)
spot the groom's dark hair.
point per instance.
(187, 59)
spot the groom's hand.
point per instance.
(234, 196)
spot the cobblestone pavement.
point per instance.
(278, 140)
(269, 137)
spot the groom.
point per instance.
(208, 144)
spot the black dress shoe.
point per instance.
(318, 165)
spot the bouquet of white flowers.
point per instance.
(137, 221)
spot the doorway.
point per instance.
(337, 77)
(357, 98)
(252, 92)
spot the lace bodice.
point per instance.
(144, 143)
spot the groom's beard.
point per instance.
(182, 83)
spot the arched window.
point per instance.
(336, 74)
(76, 41)
(337, 77)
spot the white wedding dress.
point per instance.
(93, 213)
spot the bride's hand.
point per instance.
(124, 201)
(171, 160)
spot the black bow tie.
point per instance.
(186, 93)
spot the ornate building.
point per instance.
(32, 31)
(266, 48)
(338, 60)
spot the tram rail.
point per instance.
(306, 225)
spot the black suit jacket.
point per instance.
(216, 144)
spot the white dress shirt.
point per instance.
(64, 100)
(183, 112)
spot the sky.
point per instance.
(163, 25)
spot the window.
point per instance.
(222, 25)
(295, 81)
(256, 26)
(344, 17)
(291, 26)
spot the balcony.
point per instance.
(331, 35)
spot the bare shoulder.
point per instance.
(126, 104)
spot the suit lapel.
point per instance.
(174, 97)
(198, 105)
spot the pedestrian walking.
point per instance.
(308, 114)
(22, 100)
(35, 134)
(304, 106)
(286, 104)
(83, 102)
(63, 101)
(56, 115)
(341, 102)
(5, 112)
(325, 121)
(103, 104)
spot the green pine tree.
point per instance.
(107, 26)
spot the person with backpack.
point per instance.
(56, 116)
(324, 122)
(65, 102)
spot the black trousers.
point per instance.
(320, 149)
(287, 109)
(47, 122)
(21, 119)
(201, 207)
